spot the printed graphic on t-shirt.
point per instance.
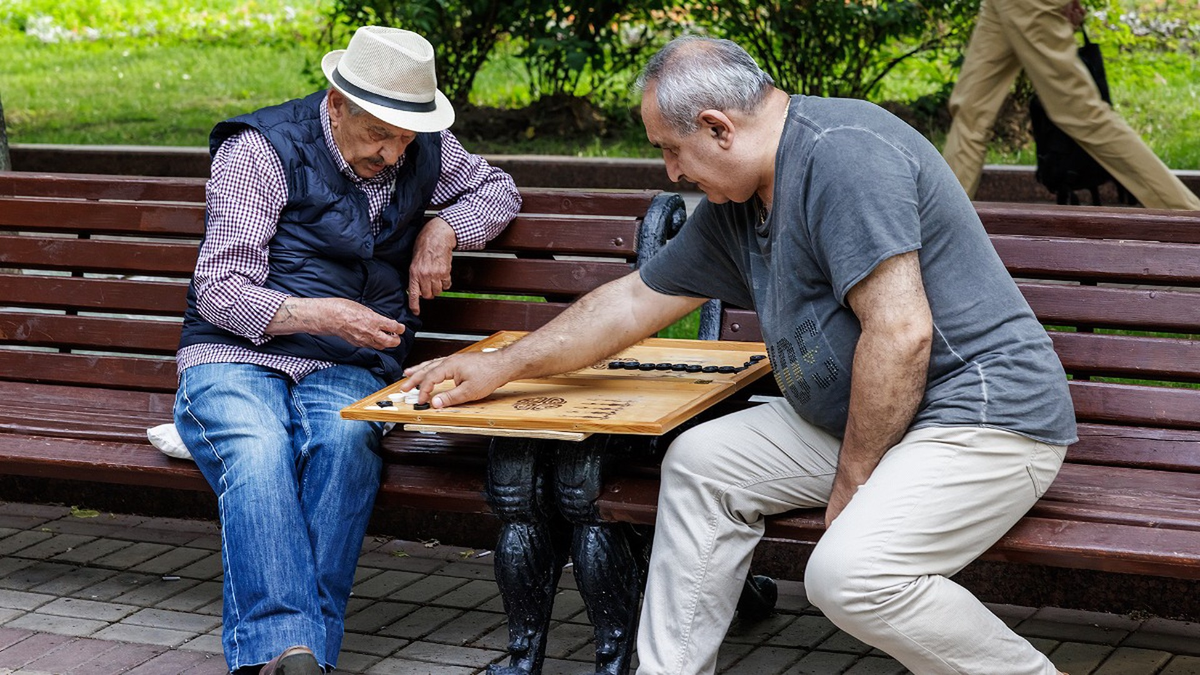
(801, 362)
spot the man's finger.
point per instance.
(414, 297)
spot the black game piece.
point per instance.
(758, 357)
(384, 403)
(662, 366)
(645, 366)
(615, 365)
(632, 365)
(726, 369)
(694, 368)
(420, 406)
(709, 369)
(679, 366)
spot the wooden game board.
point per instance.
(596, 399)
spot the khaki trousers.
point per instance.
(936, 501)
(1032, 34)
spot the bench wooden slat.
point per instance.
(595, 236)
(1136, 405)
(98, 256)
(1101, 260)
(475, 315)
(1128, 356)
(1141, 309)
(98, 295)
(1140, 447)
(184, 220)
(588, 202)
(88, 332)
(1087, 222)
(532, 277)
(117, 372)
(94, 186)
(116, 400)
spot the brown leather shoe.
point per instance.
(296, 660)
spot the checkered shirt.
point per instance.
(246, 194)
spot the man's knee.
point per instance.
(836, 583)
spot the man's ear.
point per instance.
(718, 125)
(336, 101)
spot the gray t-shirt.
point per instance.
(854, 185)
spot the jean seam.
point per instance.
(221, 507)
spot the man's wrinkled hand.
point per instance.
(1074, 12)
(429, 273)
(359, 325)
(475, 375)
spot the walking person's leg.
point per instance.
(937, 500)
(988, 71)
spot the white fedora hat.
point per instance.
(389, 72)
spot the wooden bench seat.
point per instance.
(85, 361)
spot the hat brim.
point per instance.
(438, 119)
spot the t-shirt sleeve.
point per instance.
(862, 206)
(700, 261)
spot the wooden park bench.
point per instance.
(89, 327)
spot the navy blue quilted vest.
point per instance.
(324, 246)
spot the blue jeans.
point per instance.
(295, 485)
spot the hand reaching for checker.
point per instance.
(475, 375)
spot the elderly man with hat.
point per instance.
(307, 292)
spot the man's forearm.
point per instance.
(886, 390)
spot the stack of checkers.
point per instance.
(406, 397)
(634, 364)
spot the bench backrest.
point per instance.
(94, 271)
(1119, 290)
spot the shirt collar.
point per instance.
(387, 175)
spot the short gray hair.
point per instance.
(692, 74)
(352, 108)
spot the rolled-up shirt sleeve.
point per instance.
(476, 199)
(243, 200)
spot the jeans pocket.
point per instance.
(1044, 463)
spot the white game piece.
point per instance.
(490, 349)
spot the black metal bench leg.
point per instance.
(531, 552)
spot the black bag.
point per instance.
(1062, 166)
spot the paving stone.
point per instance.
(21, 523)
(1011, 615)
(113, 586)
(212, 665)
(755, 632)
(170, 561)
(378, 615)
(468, 628)
(146, 635)
(1178, 637)
(1132, 661)
(213, 608)
(43, 511)
(13, 565)
(79, 578)
(563, 667)
(566, 638)
(445, 654)
(22, 540)
(396, 666)
(11, 636)
(72, 654)
(22, 600)
(209, 644)
(194, 598)
(821, 663)
(87, 609)
(155, 590)
(422, 549)
(403, 563)
(361, 573)
(208, 542)
(728, 655)
(55, 545)
(385, 583)
(1078, 658)
(351, 662)
(496, 604)
(132, 555)
(805, 631)
(59, 625)
(843, 642)
(768, 660)
(36, 574)
(205, 568)
(1044, 645)
(421, 622)
(568, 606)
(792, 597)
(426, 589)
(193, 525)
(116, 661)
(469, 595)
(162, 618)
(372, 644)
(1182, 665)
(154, 536)
(874, 665)
(31, 648)
(7, 615)
(496, 638)
(1078, 626)
(175, 661)
(96, 548)
(485, 572)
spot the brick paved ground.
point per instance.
(128, 594)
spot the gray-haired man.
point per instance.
(925, 407)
